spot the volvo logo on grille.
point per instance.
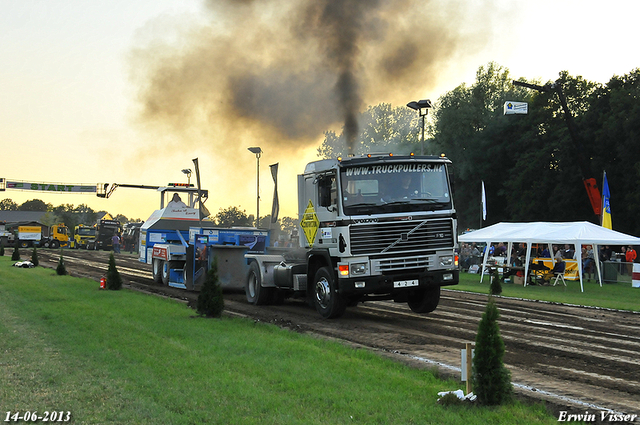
(439, 236)
(404, 237)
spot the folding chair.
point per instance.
(558, 272)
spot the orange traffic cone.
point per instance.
(103, 283)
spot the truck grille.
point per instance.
(401, 237)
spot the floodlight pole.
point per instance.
(422, 106)
(257, 151)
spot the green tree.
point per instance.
(8, 205)
(16, 253)
(114, 280)
(528, 162)
(382, 128)
(496, 286)
(210, 300)
(35, 205)
(61, 270)
(491, 379)
(232, 216)
(34, 257)
(611, 129)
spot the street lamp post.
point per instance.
(187, 171)
(256, 150)
(422, 106)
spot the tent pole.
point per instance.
(484, 260)
(579, 260)
(596, 259)
(526, 264)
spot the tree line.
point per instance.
(529, 163)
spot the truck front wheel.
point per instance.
(157, 270)
(255, 292)
(424, 300)
(328, 302)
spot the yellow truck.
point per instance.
(84, 237)
(55, 236)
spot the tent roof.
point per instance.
(582, 232)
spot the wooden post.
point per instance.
(469, 348)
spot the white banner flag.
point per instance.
(484, 203)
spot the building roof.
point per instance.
(19, 216)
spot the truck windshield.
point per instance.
(86, 231)
(395, 187)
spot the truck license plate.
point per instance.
(405, 283)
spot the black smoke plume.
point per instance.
(285, 72)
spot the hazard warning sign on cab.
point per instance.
(310, 223)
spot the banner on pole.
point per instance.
(275, 208)
(606, 207)
(484, 203)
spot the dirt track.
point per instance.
(576, 358)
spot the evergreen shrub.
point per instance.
(114, 281)
(16, 253)
(34, 257)
(210, 300)
(1, 250)
(61, 270)
(496, 284)
(491, 379)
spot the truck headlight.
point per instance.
(446, 261)
(358, 268)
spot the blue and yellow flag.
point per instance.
(606, 207)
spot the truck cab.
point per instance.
(374, 227)
(84, 236)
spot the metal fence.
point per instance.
(616, 271)
(612, 271)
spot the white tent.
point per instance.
(573, 233)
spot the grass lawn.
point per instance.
(125, 357)
(619, 296)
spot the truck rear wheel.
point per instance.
(157, 270)
(328, 302)
(256, 294)
(424, 300)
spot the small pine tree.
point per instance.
(114, 281)
(34, 257)
(210, 300)
(496, 285)
(16, 254)
(491, 379)
(61, 270)
(1, 250)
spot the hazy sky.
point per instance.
(131, 91)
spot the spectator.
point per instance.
(115, 241)
(630, 257)
(557, 253)
(568, 252)
(588, 260)
(545, 253)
